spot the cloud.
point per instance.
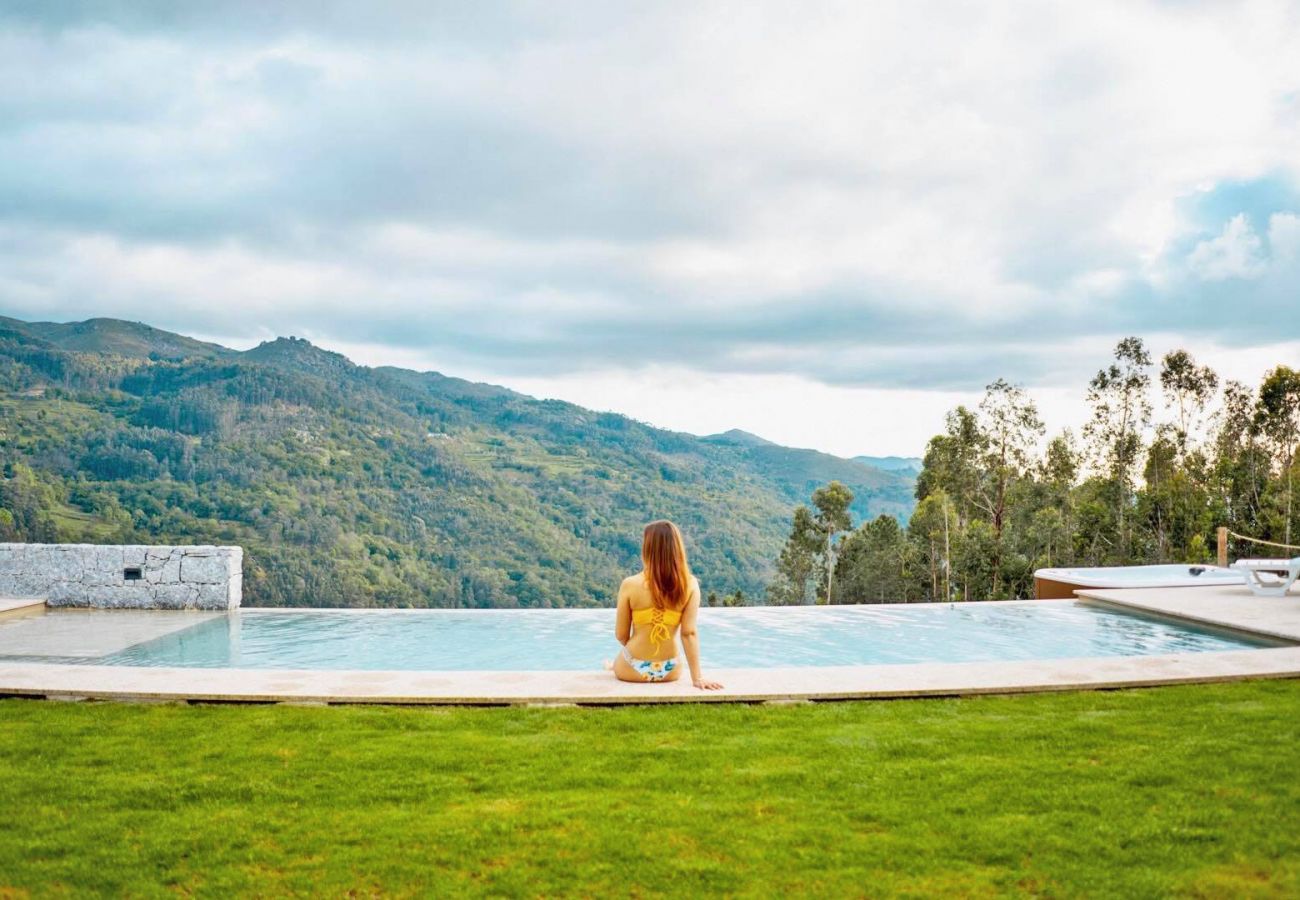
(1236, 253)
(906, 195)
(1284, 238)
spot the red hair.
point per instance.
(666, 570)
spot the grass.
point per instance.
(1191, 791)
(80, 526)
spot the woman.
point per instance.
(651, 606)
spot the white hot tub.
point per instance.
(1060, 584)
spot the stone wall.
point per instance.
(124, 577)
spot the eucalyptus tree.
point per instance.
(831, 518)
(933, 529)
(1059, 469)
(810, 549)
(1277, 416)
(1010, 428)
(1188, 388)
(1052, 519)
(952, 463)
(1160, 501)
(1176, 499)
(1121, 410)
(1241, 468)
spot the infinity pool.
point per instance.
(524, 640)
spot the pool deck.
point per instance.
(19, 605)
(1225, 607)
(1233, 607)
(91, 633)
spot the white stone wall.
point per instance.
(93, 575)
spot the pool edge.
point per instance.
(917, 680)
(1230, 608)
(1236, 610)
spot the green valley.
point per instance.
(356, 486)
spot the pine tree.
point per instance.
(798, 562)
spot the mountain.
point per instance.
(905, 464)
(357, 486)
(118, 338)
(737, 438)
(797, 473)
(299, 355)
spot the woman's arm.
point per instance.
(623, 623)
(691, 641)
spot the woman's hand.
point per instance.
(705, 685)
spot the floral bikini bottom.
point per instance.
(650, 669)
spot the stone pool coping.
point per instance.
(1227, 608)
(1233, 607)
(17, 605)
(597, 688)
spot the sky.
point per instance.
(826, 223)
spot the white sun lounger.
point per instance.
(1269, 577)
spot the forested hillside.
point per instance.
(352, 486)
(1168, 455)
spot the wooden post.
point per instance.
(1223, 546)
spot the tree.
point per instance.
(797, 563)
(832, 517)
(1159, 499)
(872, 564)
(1049, 535)
(1277, 416)
(1121, 408)
(1189, 388)
(974, 561)
(1175, 501)
(931, 530)
(1059, 472)
(1010, 428)
(951, 463)
(1040, 505)
(1241, 468)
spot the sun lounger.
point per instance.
(1269, 577)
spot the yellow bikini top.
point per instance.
(659, 620)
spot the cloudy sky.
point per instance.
(825, 223)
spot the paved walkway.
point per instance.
(20, 604)
(92, 633)
(1232, 607)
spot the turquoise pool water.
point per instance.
(521, 640)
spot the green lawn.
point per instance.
(1189, 791)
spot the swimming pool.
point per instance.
(553, 640)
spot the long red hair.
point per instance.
(666, 570)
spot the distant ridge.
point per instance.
(117, 337)
(910, 464)
(737, 438)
